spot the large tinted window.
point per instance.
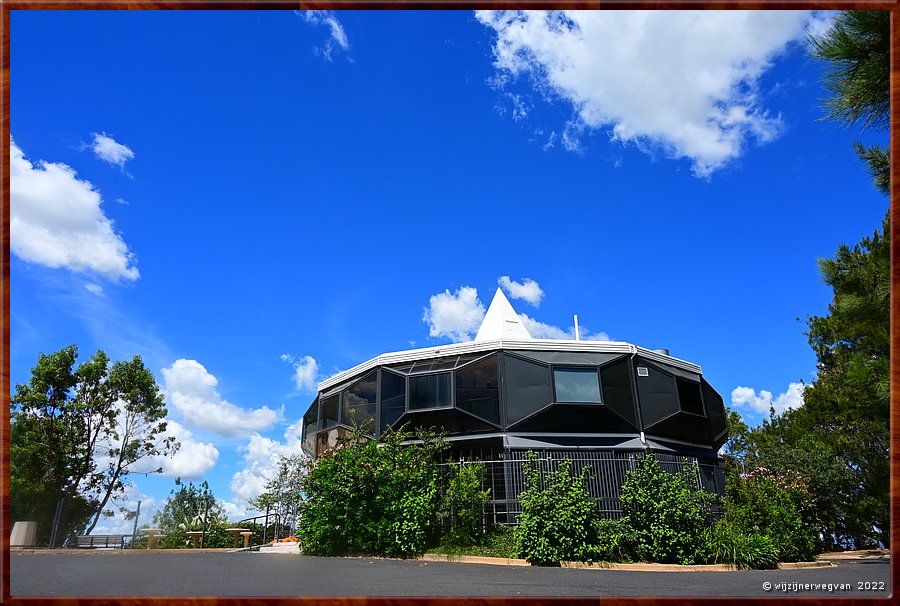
(310, 423)
(689, 396)
(393, 398)
(528, 388)
(328, 417)
(429, 391)
(477, 391)
(577, 385)
(358, 403)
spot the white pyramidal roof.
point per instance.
(501, 322)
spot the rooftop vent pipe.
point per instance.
(662, 351)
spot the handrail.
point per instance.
(266, 516)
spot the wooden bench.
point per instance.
(106, 541)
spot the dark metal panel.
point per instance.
(617, 395)
(477, 389)
(569, 357)
(715, 412)
(657, 393)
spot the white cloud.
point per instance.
(539, 330)
(192, 390)
(306, 372)
(193, 459)
(56, 220)
(456, 316)
(746, 398)
(683, 82)
(262, 457)
(527, 290)
(94, 288)
(338, 36)
(109, 150)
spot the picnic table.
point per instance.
(195, 537)
(153, 537)
(240, 532)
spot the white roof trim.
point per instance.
(456, 349)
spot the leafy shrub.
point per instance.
(371, 498)
(462, 506)
(776, 506)
(557, 520)
(616, 541)
(729, 544)
(667, 512)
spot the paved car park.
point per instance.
(204, 573)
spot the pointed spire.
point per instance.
(501, 321)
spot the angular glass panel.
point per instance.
(429, 391)
(617, 390)
(326, 440)
(358, 403)
(328, 414)
(689, 396)
(528, 388)
(310, 423)
(577, 385)
(477, 389)
(393, 398)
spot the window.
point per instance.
(310, 420)
(580, 385)
(393, 398)
(476, 389)
(527, 388)
(429, 391)
(689, 396)
(328, 416)
(358, 403)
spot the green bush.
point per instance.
(374, 498)
(776, 506)
(616, 541)
(668, 512)
(557, 519)
(729, 544)
(462, 505)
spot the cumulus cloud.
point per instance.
(455, 316)
(328, 19)
(747, 398)
(527, 290)
(193, 459)
(262, 456)
(306, 372)
(192, 390)
(111, 151)
(681, 82)
(56, 220)
(539, 330)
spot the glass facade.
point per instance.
(359, 401)
(489, 392)
(430, 391)
(577, 385)
(478, 389)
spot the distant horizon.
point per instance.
(254, 201)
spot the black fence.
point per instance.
(505, 478)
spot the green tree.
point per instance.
(282, 495)
(76, 433)
(462, 505)
(189, 507)
(857, 49)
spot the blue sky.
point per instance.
(253, 201)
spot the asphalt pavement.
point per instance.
(194, 573)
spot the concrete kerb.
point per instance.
(642, 566)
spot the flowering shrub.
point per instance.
(364, 497)
(776, 506)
